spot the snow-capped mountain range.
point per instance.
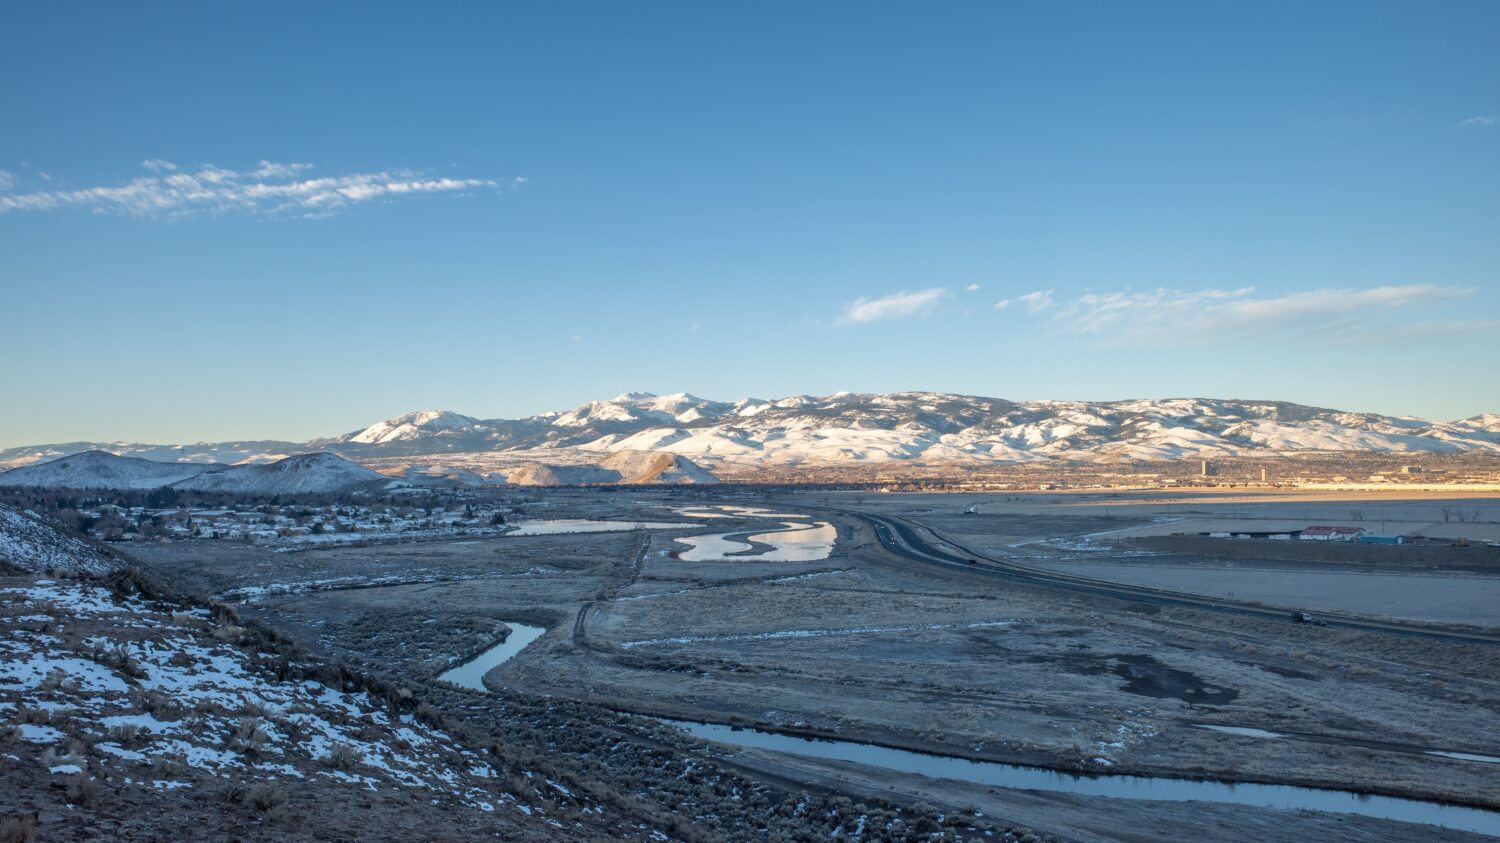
(846, 428)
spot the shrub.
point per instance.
(81, 788)
(341, 757)
(266, 795)
(154, 703)
(33, 716)
(248, 736)
(18, 828)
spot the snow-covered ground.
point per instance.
(162, 698)
(29, 543)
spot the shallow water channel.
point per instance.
(471, 673)
(1279, 796)
(796, 541)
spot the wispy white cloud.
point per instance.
(895, 306)
(1481, 120)
(269, 188)
(1035, 302)
(973, 288)
(7, 181)
(1178, 317)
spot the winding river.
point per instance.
(1116, 786)
(471, 673)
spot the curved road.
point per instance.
(901, 538)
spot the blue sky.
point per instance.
(288, 220)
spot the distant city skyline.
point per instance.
(279, 234)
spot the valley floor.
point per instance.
(867, 646)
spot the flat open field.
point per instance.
(1428, 596)
(868, 646)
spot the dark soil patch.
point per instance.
(1285, 671)
(1076, 664)
(1150, 678)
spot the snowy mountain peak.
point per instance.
(841, 428)
(1484, 421)
(412, 426)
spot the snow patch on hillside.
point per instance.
(28, 542)
(159, 699)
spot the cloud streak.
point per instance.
(894, 306)
(1035, 302)
(270, 188)
(1190, 317)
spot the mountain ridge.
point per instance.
(846, 427)
(316, 473)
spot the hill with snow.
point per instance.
(302, 473)
(31, 543)
(656, 467)
(853, 428)
(418, 425)
(103, 470)
(621, 467)
(200, 452)
(179, 721)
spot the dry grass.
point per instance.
(81, 788)
(18, 828)
(266, 796)
(341, 757)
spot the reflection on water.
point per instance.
(1283, 797)
(711, 546)
(470, 674)
(797, 542)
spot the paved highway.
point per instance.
(904, 539)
